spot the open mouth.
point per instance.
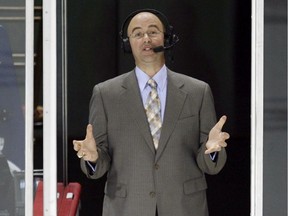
(147, 48)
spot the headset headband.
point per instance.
(170, 38)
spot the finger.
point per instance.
(209, 151)
(216, 148)
(81, 154)
(76, 145)
(225, 135)
(223, 144)
(89, 132)
(221, 122)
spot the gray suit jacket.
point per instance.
(140, 178)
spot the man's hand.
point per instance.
(217, 138)
(87, 148)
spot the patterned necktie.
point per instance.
(153, 112)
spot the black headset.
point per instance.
(170, 38)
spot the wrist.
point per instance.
(94, 157)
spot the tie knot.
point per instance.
(152, 83)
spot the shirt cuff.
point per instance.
(213, 156)
(92, 166)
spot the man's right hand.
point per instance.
(87, 148)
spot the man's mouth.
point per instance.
(147, 48)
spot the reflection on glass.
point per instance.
(12, 100)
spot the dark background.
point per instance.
(215, 46)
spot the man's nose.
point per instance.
(146, 37)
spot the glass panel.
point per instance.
(275, 109)
(12, 101)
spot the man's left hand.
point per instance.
(217, 138)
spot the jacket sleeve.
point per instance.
(97, 118)
(207, 165)
(207, 121)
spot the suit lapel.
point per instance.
(174, 104)
(132, 100)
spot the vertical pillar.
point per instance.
(29, 101)
(257, 108)
(50, 107)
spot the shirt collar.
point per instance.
(160, 77)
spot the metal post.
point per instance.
(29, 101)
(257, 109)
(50, 107)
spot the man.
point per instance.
(156, 163)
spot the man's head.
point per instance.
(144, 30)
(170, 38)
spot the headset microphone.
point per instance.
(159, 49)
(163, 48)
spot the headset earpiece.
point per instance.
(126, 45)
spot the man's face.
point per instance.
(145, 32)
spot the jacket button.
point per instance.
(152, 194)
(156, 166)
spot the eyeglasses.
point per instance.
(150, 34)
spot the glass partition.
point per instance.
(21, 103)
(275, 109)
(12, 107)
